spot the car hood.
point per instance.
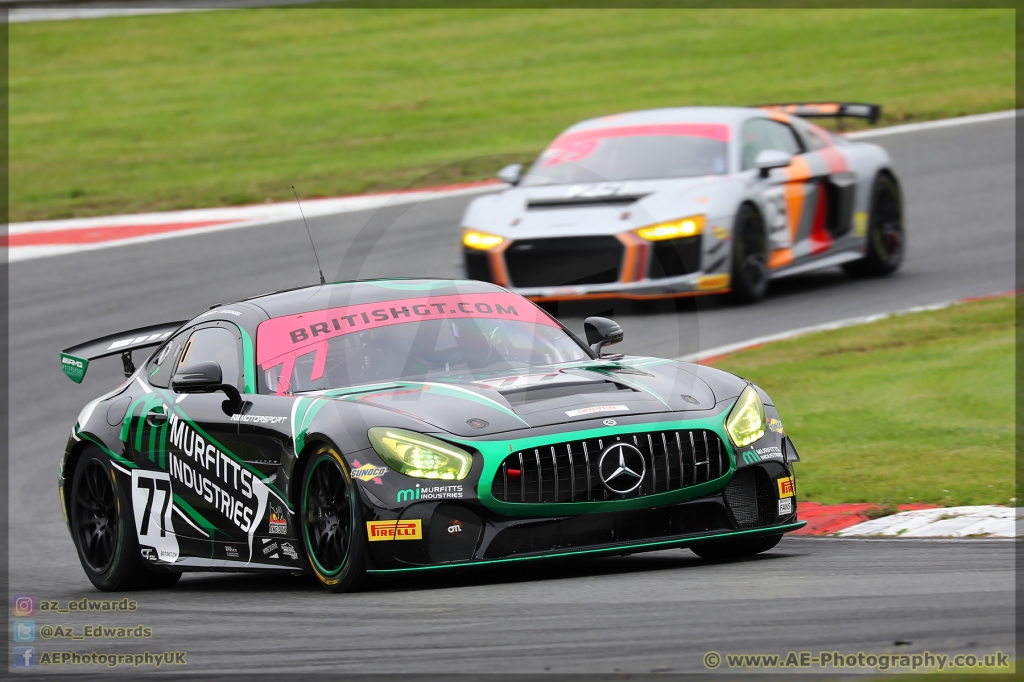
(601, 208)
(562, 394)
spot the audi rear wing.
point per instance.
(871, 112)
(75, 360)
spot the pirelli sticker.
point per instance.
(409, 529)
(786, 487)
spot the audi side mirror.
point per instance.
(601, 332)
(511, 174)
(771, 158)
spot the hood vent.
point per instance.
(583, 201)
(532, 394)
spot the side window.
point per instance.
(760, 134)
(214, 344)
(161, 366)
(816, 138)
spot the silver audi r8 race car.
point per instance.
(689, 201)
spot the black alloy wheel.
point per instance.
(331, 522)
(749, 279)
(886, 239)
(103, 528)
(96, 517)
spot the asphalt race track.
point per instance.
(659, 611)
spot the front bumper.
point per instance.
(623, 266)
(465, 532)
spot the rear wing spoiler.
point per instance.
(828, 110)
(75, 360)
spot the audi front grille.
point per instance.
(564, 261)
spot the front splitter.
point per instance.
(671, 543)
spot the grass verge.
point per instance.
(218, 108)
(913, 408)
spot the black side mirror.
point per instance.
(601, 332)
(197, 378)
(206, 377)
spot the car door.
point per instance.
(795, 199)
(221, 496)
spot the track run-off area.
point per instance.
(649, 612)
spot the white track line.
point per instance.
(241, 217)
(932, 125)
(793, 333)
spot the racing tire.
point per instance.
(749, 280)
(103, 528)
(886, 240)
(331, 522)
(736, 549)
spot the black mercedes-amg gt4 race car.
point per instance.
(399, 425)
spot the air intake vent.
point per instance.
(751, 498)
(581, 202)
(532, 394)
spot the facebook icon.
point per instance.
(24, 656)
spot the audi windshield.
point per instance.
(642, 152)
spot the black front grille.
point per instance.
(564, 261)
(568, 472)
(477, 266)
(674, 257)
(751, 498)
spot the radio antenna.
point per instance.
(308, 234)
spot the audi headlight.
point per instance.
(747, 422)
(673, 229)
(419, 456)
(480, 240)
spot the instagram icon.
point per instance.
(24, 605)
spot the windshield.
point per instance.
(633, 153)
(408, 339)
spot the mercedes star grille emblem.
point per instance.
(622, 468)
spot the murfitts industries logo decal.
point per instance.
(213, 476)
(430, 492)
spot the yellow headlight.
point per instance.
(673, 229)
(419, 456)
(747, 422)
(480, 240)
